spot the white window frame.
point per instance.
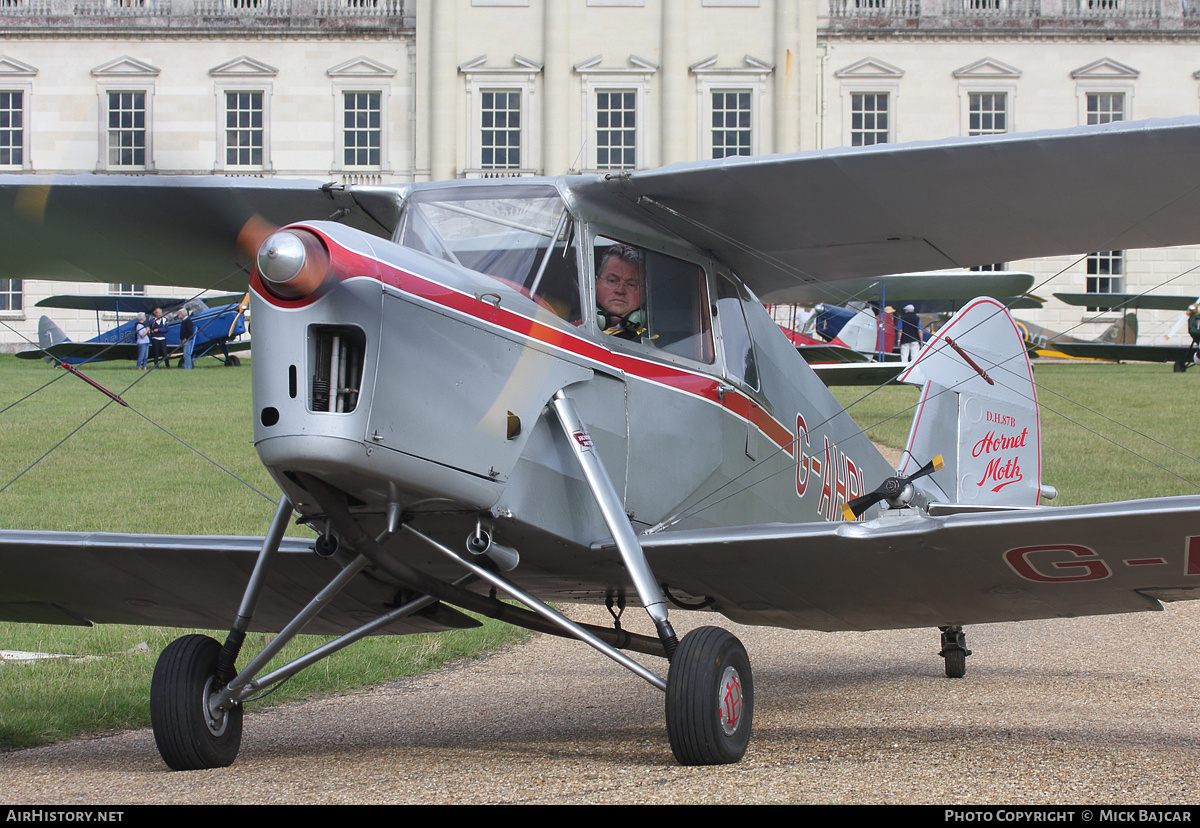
(264, 130)
(888, 131)
(638, 128)
(1104, 77)
(242, 75)
(594, 78)
(125, 74)
(146, 130)
(16, 76)
(361, 75)
(479, 79)
(1114, 281)
(870, 76)
(754, 77)
(987, 77)
(11, 313)
(345, 96)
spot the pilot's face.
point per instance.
(619, 287)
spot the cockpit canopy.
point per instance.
(524, 237)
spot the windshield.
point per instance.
(525, 237)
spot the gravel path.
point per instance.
(1083, 711)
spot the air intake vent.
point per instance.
(336, 354)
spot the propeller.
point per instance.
(897, 491)
(242, 305)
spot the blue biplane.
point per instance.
(219, 321)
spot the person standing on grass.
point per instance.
(911, 334)
(187, 337)
(158, 338)
(141, 337)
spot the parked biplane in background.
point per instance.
(437, 395)
(1120, 342)
(856, 342)
(219, 322)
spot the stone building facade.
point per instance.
(389, 91)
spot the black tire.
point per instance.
(187, 737)
(709, 676)
(233, 361)
(956, 662)
(1180, 366)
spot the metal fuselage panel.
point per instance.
(449, 357)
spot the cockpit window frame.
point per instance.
(598, 237)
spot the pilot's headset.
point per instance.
(634, 322)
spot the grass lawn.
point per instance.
(122, 473)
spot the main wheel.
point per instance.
(710, 698)
(956, 662)
(189, 736)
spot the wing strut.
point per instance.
(616, 519)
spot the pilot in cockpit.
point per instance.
(620, 293)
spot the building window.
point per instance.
(990, 268)
(1105, 273)
(988, 113)
(616, 129)
(362, 129)
(243, 129)
(500, 142)
(10, 295)
(868, 118)
(126, 289)
(1105, 107)
(127, 129)
(12, 130)
(731, 130)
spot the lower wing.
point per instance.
(953, 569)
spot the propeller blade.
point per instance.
(890, 489)
(241, 312)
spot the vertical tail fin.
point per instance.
(1122, 332)
(49, 333)
(978, 409)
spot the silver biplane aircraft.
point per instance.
(568, 390)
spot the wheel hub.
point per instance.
(729, 700)
(215, 720)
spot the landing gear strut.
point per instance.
(954, 651)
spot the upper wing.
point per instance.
(183, 581)
(154, 230)
(898, 288)
(130, 304)
(781, 221)
(936, 571)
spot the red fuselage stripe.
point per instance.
(351, 264)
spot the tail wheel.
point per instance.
(710, 698)
(188, 734)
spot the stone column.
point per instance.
(556, 78)
(674, 73)
(441, 80)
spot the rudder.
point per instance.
(978, 409)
